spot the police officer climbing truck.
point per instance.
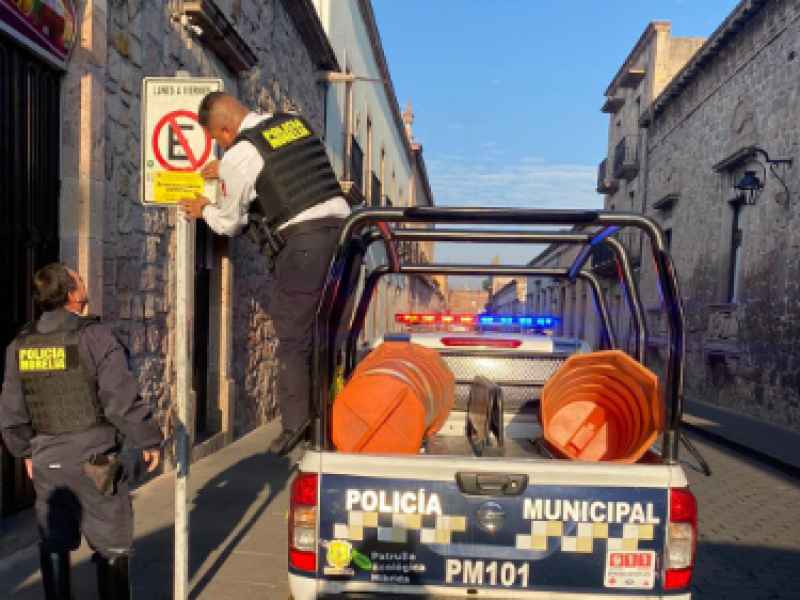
(69, 398)
(279, 190)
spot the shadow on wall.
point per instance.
(226, 510)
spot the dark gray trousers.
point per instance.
(300, 272)
(68, 504)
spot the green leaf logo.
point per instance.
(362, 562)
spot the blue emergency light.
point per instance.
(544, 322)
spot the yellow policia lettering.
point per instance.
(286, 133)
(43, 359)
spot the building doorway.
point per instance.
(30, 121)
(204, 259)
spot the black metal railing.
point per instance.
(375, 191)
(357, 165)
(626, 157)
(601, 174)
(602, 258)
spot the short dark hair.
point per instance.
(207, 105)
(52, 285)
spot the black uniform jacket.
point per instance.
(106, 358)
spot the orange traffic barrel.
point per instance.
(400, 393)
(602, 406)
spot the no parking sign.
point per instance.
(174, 145)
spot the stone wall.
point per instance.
(743, 354)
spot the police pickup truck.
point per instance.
(486, 509)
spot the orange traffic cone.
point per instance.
(602, 406)
(399, 394)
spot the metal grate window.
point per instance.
(357, 165)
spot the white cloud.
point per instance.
(527, 182)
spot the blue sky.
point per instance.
(506, 93)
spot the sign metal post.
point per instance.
(174, 149)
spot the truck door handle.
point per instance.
(491, 484)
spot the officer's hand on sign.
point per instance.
(193, 207)
(152, 458)
(211, 170)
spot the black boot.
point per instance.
(56, 575)
(113, 577)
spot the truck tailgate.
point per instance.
(486, 527)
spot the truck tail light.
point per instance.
(303, 522)
(681, 539)
(480, 342)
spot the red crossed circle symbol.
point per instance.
(171, 120)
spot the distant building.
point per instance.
(497, 283)
(374, 152)
(509, 299)
(466, 302)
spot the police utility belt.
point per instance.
(272, 241)
(296, 176)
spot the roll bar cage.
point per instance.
(590, 229)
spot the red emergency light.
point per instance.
(431, 319)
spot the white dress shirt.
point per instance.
(238, 171)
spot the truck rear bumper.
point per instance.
(305, 588)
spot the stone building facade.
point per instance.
(374, 150)
(737, 263)
(269, 53)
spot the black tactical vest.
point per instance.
(60, 394)
(297, 173)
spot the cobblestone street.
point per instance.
(749, 545)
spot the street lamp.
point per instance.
(751, 186)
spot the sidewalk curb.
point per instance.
(762, 457)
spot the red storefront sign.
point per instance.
(47, 27)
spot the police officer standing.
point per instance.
(68, 398)
(278, 189)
